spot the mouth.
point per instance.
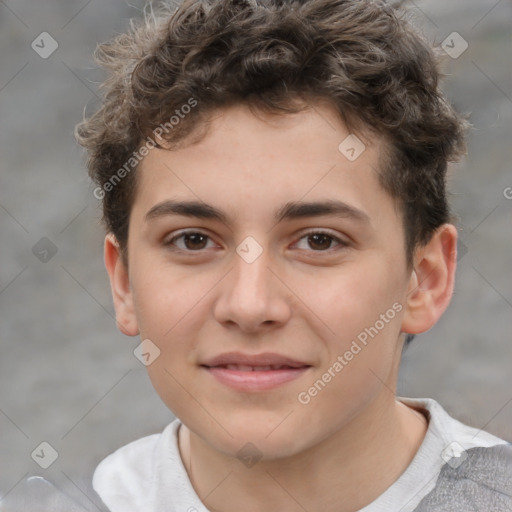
(247, 368)
(250, 373)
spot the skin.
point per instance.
(304, 299)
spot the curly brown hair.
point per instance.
(277, 56)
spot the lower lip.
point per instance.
(255, 380)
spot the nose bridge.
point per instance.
(252, 295)
(252, 276)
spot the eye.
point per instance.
(192, 241)
(321, 241)
(196, 241)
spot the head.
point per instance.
(248, 109)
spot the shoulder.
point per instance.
(450, 433)
(480, 480)
(124, 478)
(474, 466)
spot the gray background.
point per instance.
(68, 377)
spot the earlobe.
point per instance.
(120, 285)
(431, 283)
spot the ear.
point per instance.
(120, 286)
(431, 283)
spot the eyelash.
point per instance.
(170, 242)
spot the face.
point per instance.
(291, 272)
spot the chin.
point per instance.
(265, 437)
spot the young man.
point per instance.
(273, 182)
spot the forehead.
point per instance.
(255, 163)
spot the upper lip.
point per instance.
(264, 359)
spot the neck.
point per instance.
(343, 473)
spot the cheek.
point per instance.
(364, 310)
(356, 296)
(360, 359)
(166, 299)
(171, 308)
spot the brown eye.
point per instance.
(192, 241)
(320, 241)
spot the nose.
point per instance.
(253, 296)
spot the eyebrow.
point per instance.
(289, 211)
